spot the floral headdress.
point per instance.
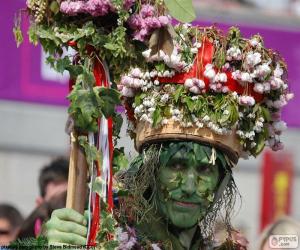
(224, 90)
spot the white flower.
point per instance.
(199, 83)
(236, 75)
(209, 72)
(220, 77)
(147, 53)
(206, 118)
(254, 42)
(278, 72)
(153, 73)
(246, 77)
(279, 126)
(276, 83)
(164, 121)
(189, 83)
(165, 98)
(199, 124)
(253, 144)
(289, 96)
(136, 72)
(195, 90)
(263, 70)
(146, 75)
(194, 50)
(267, 87)
(253, 59)
(234, 53)
(259, 88)
(166, 73)
(197, 45)
(156, 82)
(225, 112)
(246, 100)
(144, 117)
(155, 247)
(127, 92)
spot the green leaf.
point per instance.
(266, 114)
(157, 118)
(54, 7)
(178, 93)
(182, 10)
(18, 35)
(190, 103)
(62, 64)
(33, 38)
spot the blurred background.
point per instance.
(33, 112)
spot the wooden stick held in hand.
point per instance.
(77, 188)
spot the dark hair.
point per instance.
(56, 171)
(12, 214)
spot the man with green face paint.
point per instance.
(186, 182)
(175, 188)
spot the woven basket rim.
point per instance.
(146, 134)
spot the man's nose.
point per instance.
(189, 183)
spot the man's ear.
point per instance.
(39, 201)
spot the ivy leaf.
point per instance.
(110, 99)
(120, 161)
(190, 103)
(33, 38)
(178, 93)
(74, 70)
(62, 64)
(182, 10)
(18, 35)
(157, 118)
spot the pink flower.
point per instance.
(164, 20)
(128, 4)
(147, 10)
(276, 116)
(277, 146)
(246, 100)
(152, 22)
(72, 8)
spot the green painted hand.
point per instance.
(66, 227)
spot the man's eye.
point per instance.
(204, 169)
(177, 166)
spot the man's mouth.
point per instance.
(186, 204)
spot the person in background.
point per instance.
(10, 222)
(53, 182)
(283, 226)
(53, 179)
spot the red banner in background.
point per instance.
(277, 182)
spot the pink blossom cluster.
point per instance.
(217, 80)
(195, 85)
(93, 7)
(246, 100)
(144, 22)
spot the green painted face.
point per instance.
(187, 183)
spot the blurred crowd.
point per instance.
(53, 180)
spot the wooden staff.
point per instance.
(77, 187)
